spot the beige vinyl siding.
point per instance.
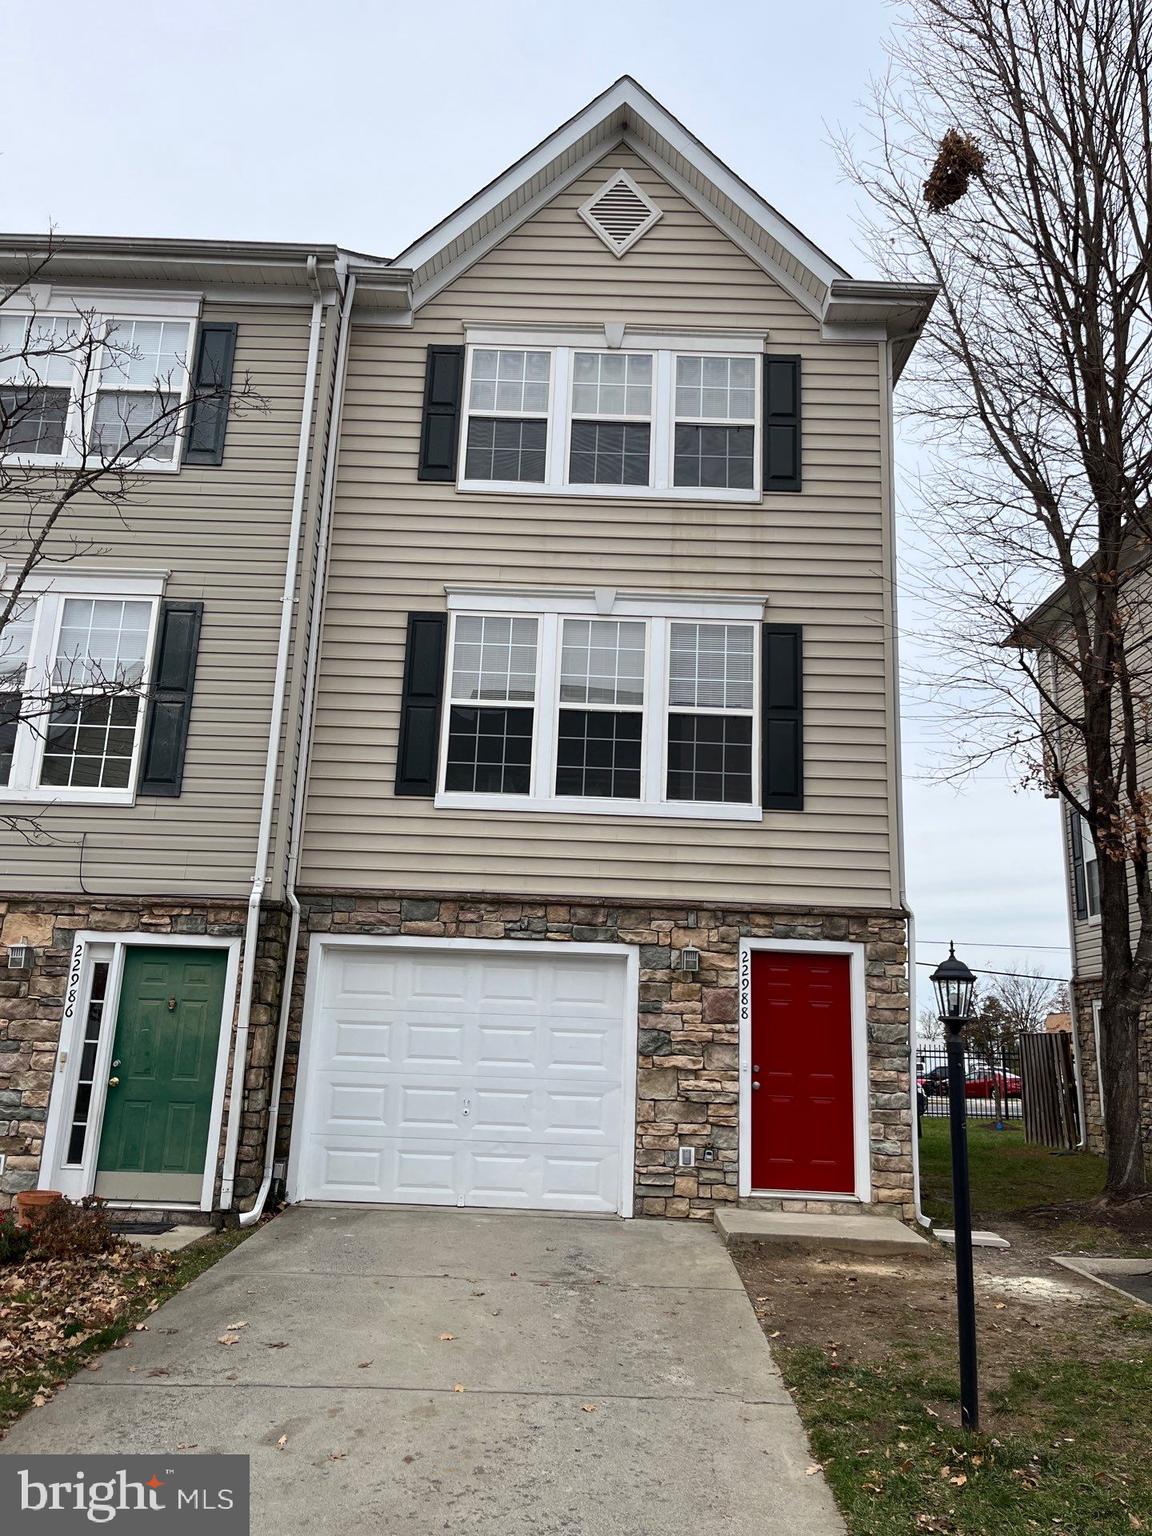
(222, 533)
(819, 557)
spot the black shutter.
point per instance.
(1079, 883)
(783, 717)
(211, 371)
(443, 381)
(420, 704)
(170, 704)
(782, 461)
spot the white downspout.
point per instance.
(279, 692)
(250, 1217)
(898, 752)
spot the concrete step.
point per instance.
(822, 1233)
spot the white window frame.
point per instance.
(664, 348)
(1096, 1008)
(105, 309)
(658, 612)
(1088, 848)
(49, 594)
(571, 417)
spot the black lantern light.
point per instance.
(954, 983)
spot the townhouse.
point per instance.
(582, 887)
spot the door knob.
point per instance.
(755, 1085)
(113, 1082)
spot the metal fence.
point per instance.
(994, 1082)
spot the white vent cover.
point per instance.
(619, 213)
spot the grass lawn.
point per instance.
(1007, 1173)
(44, 1306)
(868, 1351)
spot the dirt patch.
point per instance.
(864, 1311)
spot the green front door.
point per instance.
(158, 1112)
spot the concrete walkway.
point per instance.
(614, 1380)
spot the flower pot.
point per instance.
(30, 1202)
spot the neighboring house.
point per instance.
(601, 878)
(1082, 893)
(597, 899)
(139, 870)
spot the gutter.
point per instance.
(250, 1217)
(288, 604)
(898, 763)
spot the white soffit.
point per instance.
(625, 112)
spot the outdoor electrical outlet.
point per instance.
(709, 1154)
(687, 1157)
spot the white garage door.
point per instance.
(465, 1077)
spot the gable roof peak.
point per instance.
(625, 112)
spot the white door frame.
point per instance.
(79, 1180)
(860, 1116)
(626, 954)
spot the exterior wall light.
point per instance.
(21, 956)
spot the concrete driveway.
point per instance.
(613, 1376)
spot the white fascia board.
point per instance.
(628, 95)
(473, 253)
(538, 159)
(754, 252)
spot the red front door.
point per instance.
(802, 1137)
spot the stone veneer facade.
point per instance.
(687, 1080)
(32, 1004)
(1084, 994)
(687, 1032)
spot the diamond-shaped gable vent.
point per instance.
(619, 213)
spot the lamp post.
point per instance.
(954, 983)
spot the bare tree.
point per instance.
(1009, 159)
(85, 411)
(1023, 999)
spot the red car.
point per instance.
(983, 1085)
(979, 1085)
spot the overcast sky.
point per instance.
(364, 124)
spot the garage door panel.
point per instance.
(466, 1079)
(356, 1104)
(586, 991)
(353, 1039)
(436, 1043)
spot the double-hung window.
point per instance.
(82, 385)
(647, 709)
(715, 438)
(658, 416)
(74, 665)
(508, 395)
(611, 426)
(711, 712)
(143, 374)
(38, 385)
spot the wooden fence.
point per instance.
(1051, 1111)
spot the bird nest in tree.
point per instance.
(960, 158)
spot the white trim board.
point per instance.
(78, 1181)
(607, 120)
(627, 955)
(860, 1115)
